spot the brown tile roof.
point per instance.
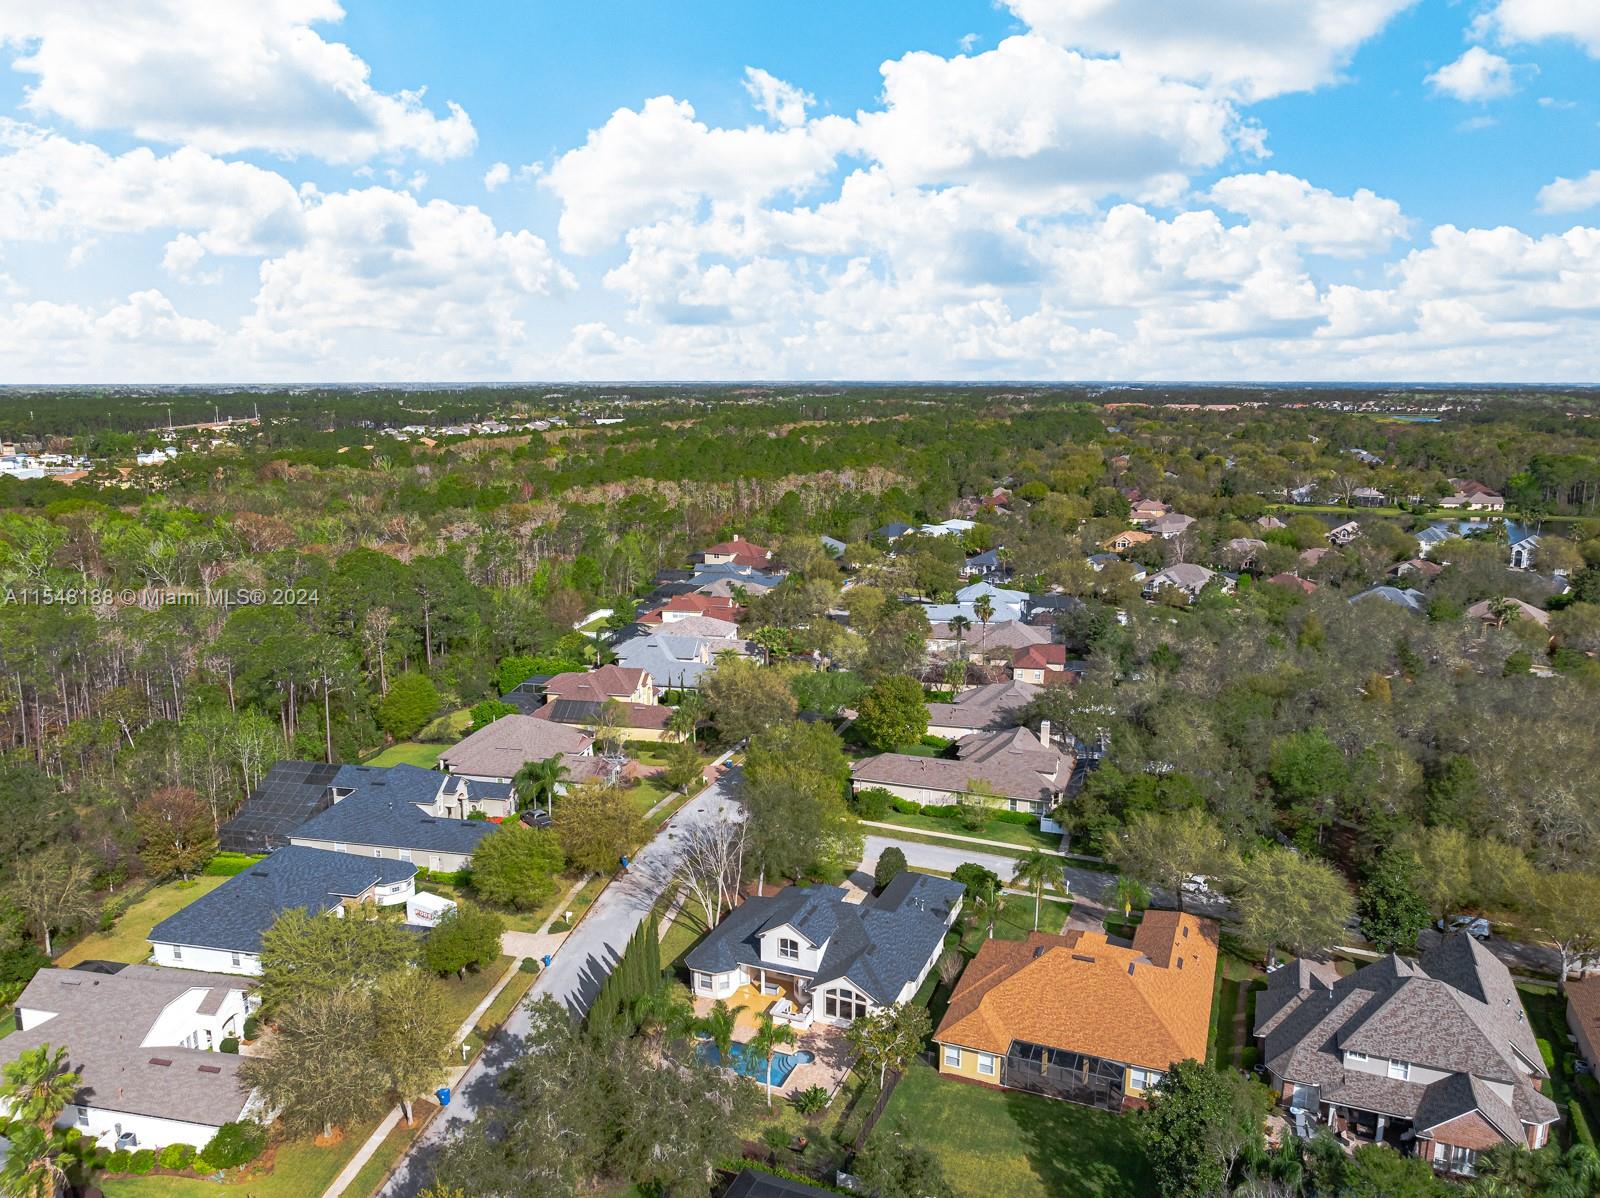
(1295, 582)
(1014, 763)
(743, 552)
(594, 686)
(1040, 657)
(993, 706)
(508, 744)
(1135, 536)
(1148, 1005)
(698, 605)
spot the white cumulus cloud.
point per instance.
(1476, 75)
(781, 102)
(1324, 223)
(221, 76)
(1539, 20)
(1571, 195)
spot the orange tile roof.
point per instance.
(1149, 1005)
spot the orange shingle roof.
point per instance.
(1149, 1005)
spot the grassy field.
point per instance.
(127, 941)
(1024, 836)
(1015, 921)
(682, 935)
(300, 1169)
(462, 995)
(1001, 1142)
(8, 1024)
(500, 1009)
(409, 752)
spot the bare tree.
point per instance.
(712, 865)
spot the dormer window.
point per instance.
(788, 950)
(1400, 1070)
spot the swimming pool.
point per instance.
(752, 1066)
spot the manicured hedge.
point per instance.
(235, 1144)
(1582, 1133)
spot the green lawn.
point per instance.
(682, 935)
(409, 752)
(394, 1145)
(1015, 921)
(300, 1169)
(8, 1023)
(1236, 973)
(462, 995)
(1002, 1142)
(127, 941)
(1026, 836)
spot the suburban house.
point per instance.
(291, 793)
(1583, 1016)
(405, 813)
(1523, 551)
(1419, 566)
(1499, 611)
(1022, 771)
(981, 709)
(1173, 524)
(1410, 600)
(608, 682)
(1430, 538)
(1310, 557)
(1294, 582)
(142, 1040)
(1080, 1016)
(1368, 497)
(685, 607)
(495, 753)
(1243, 550)
(721, 580)
(1269, 523)
(1125, 541)
(831, 960)
(892, 531)
(994, 642)
(737, 552)
(946, 528)
(675, 662)
(983, 565)
(638, 721)
(1474, 496)
(1147, 510)
(1042, 665)
(1003, 604)
(221, 931)
(1344, 533)
(1184, 576)
(1435, 1057)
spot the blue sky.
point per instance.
(1236, 189)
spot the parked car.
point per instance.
(1201, 886)
(536, 819)
(1475, 926)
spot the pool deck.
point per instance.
(825, 1042)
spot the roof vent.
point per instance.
(211, 1069)
(258, 873)
(1180, 964)
(1081, 957)
(1130, 968)
(1038, 951)
(1186, 931)
(160, 1061)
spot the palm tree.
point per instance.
(685, 718)
(1129, 893)
(991, 898)
(34, 1166)
(983, 608)
(769, 1035)
(1036, 871)
(960, 625)
(719, 1024)
(664, 1011)
(38, 1085)
(540, 780)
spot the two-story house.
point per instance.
(494, 753)
(1435, 1057)
(143, 1042)
(404, 813)
(831, 960)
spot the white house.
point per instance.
(144, 1043)
(830, 960)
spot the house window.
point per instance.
(1453, 1158)
(704, 980)
(83, 1116)
(234, 957)
(338, 846)
(952, 1056)
(404, 854)
(1355, 1056)
(177, 952)
(788, 949)
(1142, 1080)
(986, 1064)
(1400, 1070)
(841, 1003)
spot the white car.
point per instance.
(1200, 886)
(1475, 926)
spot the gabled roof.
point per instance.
(608, 682)
(880, 945)
(1147, 1005)
(104, 1020)
(1295, 582)
(233, 916)
(1040, 657)
(1484, 610)
(993, 706)
(384, 808)
(1410, 600)
(1013, 763)
(508, 744)
(743, 552)
(580, 712)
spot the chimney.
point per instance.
(1044, 732)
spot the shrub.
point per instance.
(175, 1156)
(111, 912)
(230, 1045)
(235, 1144)
(873, 803)
(561, 925)
(142, 1161)
(480, 816)
(936, 742)
(252, 1027)
(1022, 819)
(118, 1161)
(1582, 1133)
(810, 1100)
(529, 965)
(891, 864)
(906, 806)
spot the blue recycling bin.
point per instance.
(443, 1093)
(546, 960)
(624, 863)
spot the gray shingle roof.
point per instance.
(984, 707)
(511, 742)
(880, 946)
(233, 916)
(385, 808)
(103, 1019)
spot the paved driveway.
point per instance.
(574, 977)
